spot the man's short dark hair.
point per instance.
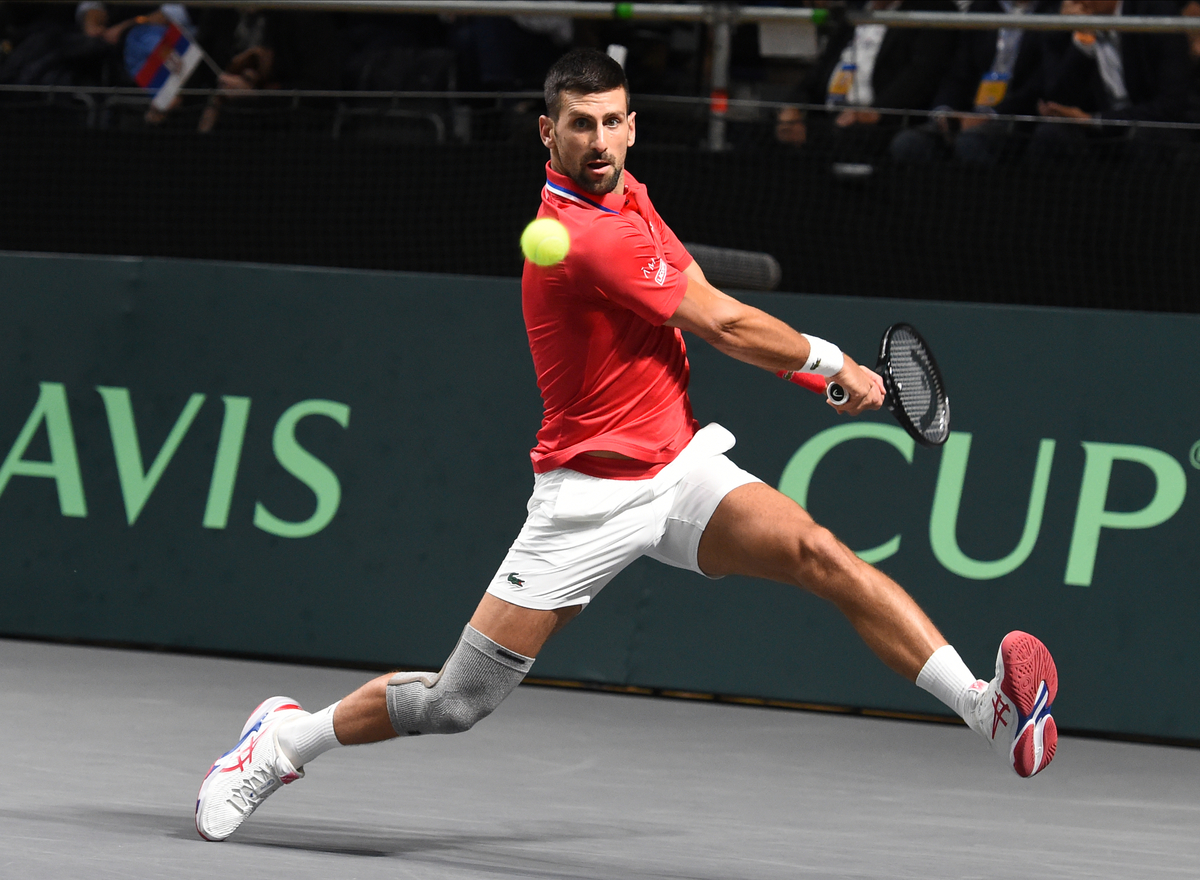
(586, 71)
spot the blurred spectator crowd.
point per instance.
(861, 94)
(83, 44)
(1101, 93)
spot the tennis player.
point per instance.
(622, 470)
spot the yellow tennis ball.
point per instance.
(545, 241)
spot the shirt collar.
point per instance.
(612, 202)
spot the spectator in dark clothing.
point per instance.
(501, 53)
(862, 70)
(252, 65)
(993, 72)
(274, 50)
(53, 46)
(1096, 76)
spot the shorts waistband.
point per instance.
(604, 468)
(600, 501)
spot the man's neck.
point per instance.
(619, 188)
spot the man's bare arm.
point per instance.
(755, 337)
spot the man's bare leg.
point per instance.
(362, 717)
(280, 738)
(759, 531)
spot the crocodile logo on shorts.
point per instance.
(513, 579)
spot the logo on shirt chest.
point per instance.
(656, 269)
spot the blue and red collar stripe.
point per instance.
(575, 197)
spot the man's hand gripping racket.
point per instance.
(913, 388)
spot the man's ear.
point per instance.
(632, 129)
(546, 130)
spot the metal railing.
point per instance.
(710, 13)
(588, 9)
(986, 21)
(721, 18)
(444, 110)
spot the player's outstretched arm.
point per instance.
(755, 337)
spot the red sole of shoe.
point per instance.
(1027, 664)
(1025, 760)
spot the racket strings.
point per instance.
(917, 386)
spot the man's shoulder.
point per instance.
(597, 241)
(587, 221)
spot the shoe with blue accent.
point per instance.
(247, 774)
(1013, 709)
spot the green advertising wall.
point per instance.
(329, 465)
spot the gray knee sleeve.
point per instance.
(477, 677)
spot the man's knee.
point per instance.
(820, 556)
(417, 707)
(477, 677)
(459, 715)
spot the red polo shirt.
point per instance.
(612, 376)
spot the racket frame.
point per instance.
(883, 366)
(836, 394)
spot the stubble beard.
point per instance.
(604, 185)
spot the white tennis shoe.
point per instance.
(247, 774)
(1012, 711)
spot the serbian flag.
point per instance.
(167, 64)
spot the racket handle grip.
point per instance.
(833, 392)
(811, 381)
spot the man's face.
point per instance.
(589, 139)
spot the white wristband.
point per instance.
(824, 358)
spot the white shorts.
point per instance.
(581, 530)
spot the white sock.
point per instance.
(302, 739)
(946, 677)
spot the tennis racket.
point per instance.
(914, 391)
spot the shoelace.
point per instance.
(256, 786)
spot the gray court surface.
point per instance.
(104, 751)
